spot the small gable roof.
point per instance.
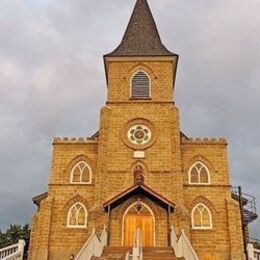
(37, 199)
(139, 189)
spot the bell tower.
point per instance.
(140, 123)
(141, 68)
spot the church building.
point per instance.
(139, 178)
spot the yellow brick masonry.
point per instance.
(166, 166)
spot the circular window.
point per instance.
(139, 134)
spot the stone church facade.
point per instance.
(139, 169)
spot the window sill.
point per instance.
(75, 228)
(202, 229)
(81, 183)
(199, 184)
(141, 99)
(205, 185)
(72, 184)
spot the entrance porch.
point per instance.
(139, 207)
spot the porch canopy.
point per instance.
(139, 189)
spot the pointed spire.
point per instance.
(141, 36)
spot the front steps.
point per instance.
(159, 253)
(149, 253)
(113, 253)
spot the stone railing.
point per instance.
(94, 245)
(13, 252)
(137, 249)
(253, 253)
(182, 246)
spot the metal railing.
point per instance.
(249, 205)
(248, 213)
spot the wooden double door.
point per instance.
(144, 222)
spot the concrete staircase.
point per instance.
(149, 253)
(159, 253)
(113, 253)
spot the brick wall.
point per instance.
(166, 165)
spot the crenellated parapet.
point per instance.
(204, 141)
(74, 140)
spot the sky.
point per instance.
(52, 83)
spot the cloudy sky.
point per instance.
(52, 82)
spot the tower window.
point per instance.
(201, 217)
(199, 174)
(77, 216)
(140, 86)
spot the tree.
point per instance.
(13, 234)
(257, 245)
(3, 240)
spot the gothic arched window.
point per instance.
(81, 173)
(199, 174)
(201, 217)
(140, 86)
(77, 216)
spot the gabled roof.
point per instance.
(141, 37)
(139, 189)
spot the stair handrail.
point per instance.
(137, 249)
(174, 243)
(182, 246)
(187, 249)
(104, 237)
(13, 251)
(94, 246)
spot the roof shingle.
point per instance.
(141, 37)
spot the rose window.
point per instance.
(139, 134)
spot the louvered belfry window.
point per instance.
(140, 86)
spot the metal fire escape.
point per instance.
(248, 205)
(248, 212)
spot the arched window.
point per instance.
(201, 217)
(81, 173)
(140, 86)
(199, 174)
(77, 216)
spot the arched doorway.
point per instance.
(138, 215)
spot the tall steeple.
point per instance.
(141, 37)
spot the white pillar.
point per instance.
(21, 244)
(250, 251)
